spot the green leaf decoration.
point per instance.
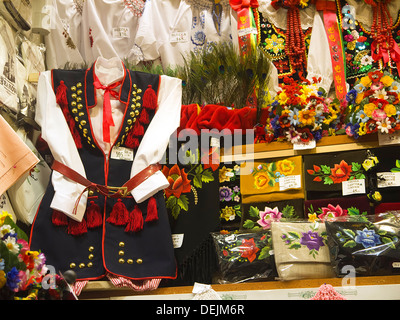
(349, 232)
(248, 224)
(353, 211)
(272, 166)
(264, 253)
(288, 211)
(395, 170)
(183, 202)
(207, 176)
(350, 244)
(398, 164)
(325, 169)
(295, 246)
(254, 212)
(328, 180)
(293, 235)
(355, 166)
(389, 242)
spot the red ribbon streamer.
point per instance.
(241, 4)
(107, 113)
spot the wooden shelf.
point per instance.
(285, 149)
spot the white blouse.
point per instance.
(151, 150)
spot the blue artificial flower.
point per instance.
(359, 87)
(12, 279)
(368, 238)
(294, 117)
(351, 96)
(275, 123)
(361, 116)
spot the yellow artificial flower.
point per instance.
(363, 129)
(312, 217)
(369, 108)
(285, 167)
(360, 97)
(390, 110)
(3, 216)
(3, 279)
(283, 98)
(306, 117)
(303, 3)
(275, 44)
(365, 81)
(387, 81)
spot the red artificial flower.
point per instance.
(249, 249)
(305, 134)
(178, 181)
(340, 172)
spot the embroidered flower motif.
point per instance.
(312, 240)
(261, 180)
(275, 44)
(178, 181)
(248, 249)
(368, 238)
(332, 212)
(285, 167)
(269, 215)
(228, 213)
(339, 173)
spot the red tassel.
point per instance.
(144, 117)
(150, 99)
(59, 219)
(138, 130)
(119, 214)
(61, 95)
(135, 221)
(152, 212)
(76, 228)
(131, 141)
(93, 215)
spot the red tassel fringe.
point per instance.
(137, 130)
(144, 117)
(135, 221)
(61, 98)
(131, 141)
(76, 228)
(59, 219)
(93, 215)
(152, 212)
(119, 214)
(150, 99)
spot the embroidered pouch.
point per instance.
(369, 246)
(326, 174)
(300, 250)
(244, 256)
(272, 180)
(262, 214)
(230, 209)
(324, 209)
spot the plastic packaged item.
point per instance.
(301, 250)
(367, 246)
(244, 256)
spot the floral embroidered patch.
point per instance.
(268, 174)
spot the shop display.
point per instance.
(163, 143)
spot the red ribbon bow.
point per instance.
(240, 4)
(107, 113)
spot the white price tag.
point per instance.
(388, 179)
(388, 139)
(246, 31)
(177, 240)
(178, 37)
(354, 186)
(289, 182)
(121, 33)
(304, 145)
(121, 153)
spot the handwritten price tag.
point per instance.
(289, 182)
(304, 145)
(388, 179)
(355, 186)
(121, 153)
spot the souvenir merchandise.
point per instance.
(330, 175)
(246, 256)
(325, 209)
(170, 30)
(369, 245)
(272, 180)
(301, 250)
(192, 204)
(292, 34)
(108, 144)
(370, 36)
(262, 214)
(109, 30)
(16, 158)
(65, 33)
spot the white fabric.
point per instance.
(56, 132)
(112, 27)
(164, 21)
(63, 41)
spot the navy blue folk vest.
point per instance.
(92, 250)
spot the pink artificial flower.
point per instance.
(269, 215)
(378, 115)
(332, 212)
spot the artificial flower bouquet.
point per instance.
(301, 112)
(373, 105)
(21, 269)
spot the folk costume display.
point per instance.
(104, 210)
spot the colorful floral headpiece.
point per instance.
(373, 105)
(300, 113)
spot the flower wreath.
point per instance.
(373, 105)
(300, 113)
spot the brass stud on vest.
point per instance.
(73, 88)
(121, 261)
(139, 261)
(72, 265)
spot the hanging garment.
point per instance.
(362, 33)
(109, 30)
(106, 126)
(314, 58)
(170, 29)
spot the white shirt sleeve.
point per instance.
(56, 133)
(155, 140)
(319, 63)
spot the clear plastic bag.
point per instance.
(368, 245)
(244, 256)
